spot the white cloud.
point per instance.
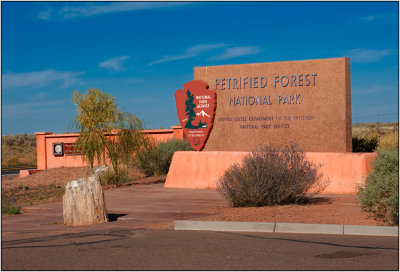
(40, 79)
(198, 49)
(37, 108)
(383, 18)
(191, 52)
(114, 64)
(368, 18)
(45, 14)
(92, 9)
(375, 88)
(362, 55)
(39, 96)
(111, 81)
(235, 52)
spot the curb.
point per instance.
(286, 228)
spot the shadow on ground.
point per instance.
(115, 216)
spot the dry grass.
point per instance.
(390, 139)
(387, 134)
(18, 150)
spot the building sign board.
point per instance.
(306, 102)
(69, 150)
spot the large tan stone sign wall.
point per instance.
(306, 102)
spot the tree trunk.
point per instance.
(83, 202)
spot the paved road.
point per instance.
(14, 170)
(37, 241)
(127, 249)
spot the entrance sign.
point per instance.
(306, 102)
(195, 105)
(69, 150)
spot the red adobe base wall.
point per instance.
(25, 173)
(45, 140)
(201, 170)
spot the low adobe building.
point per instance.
(48, 158)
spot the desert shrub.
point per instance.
(269, 176)
(30, 160)
(19, 140)
(10, 209)
(147, 160)
(156, 158)
(8, 140)
(365, 143)
(17, 150)
(13, 161)
(387, 140)
(380, 192)
(109, 176)
(8, 205)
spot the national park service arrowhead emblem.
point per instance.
(196, 106)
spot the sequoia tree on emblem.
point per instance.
(196, 106)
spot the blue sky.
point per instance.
(142, 52)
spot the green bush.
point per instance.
(364, 144)
(380, 192)
(8, 205)
(156, 159)
(269, 176)
(109, 177)
(10, 210)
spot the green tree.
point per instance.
(98, 117)
(190, 110)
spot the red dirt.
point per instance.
(48, 186)
(58, 176)
(61, 175)
(323, 209)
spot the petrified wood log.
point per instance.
(83, 202)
